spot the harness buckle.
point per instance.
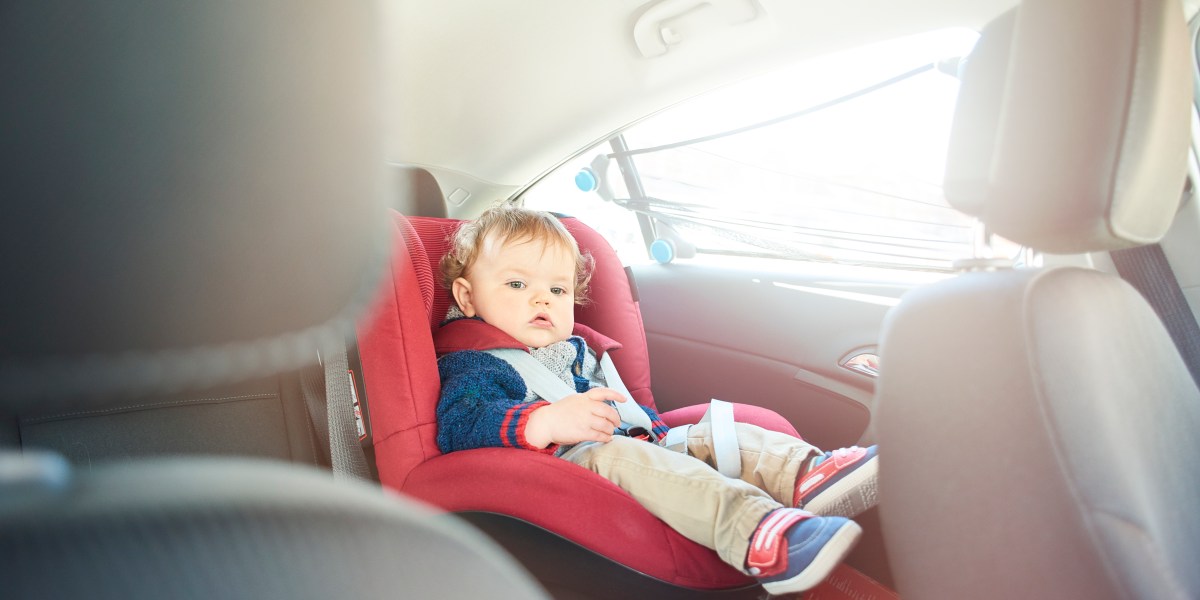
(639, 433)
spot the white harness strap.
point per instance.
(547, 385)
(727, 455)
(677, 438)
(613, 380)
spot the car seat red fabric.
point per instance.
(398, 361)
(613, 310)
(400, 372)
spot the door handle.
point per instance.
(866, 363)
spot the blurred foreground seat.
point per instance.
(194, 205)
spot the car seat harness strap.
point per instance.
(726, 452)
(547, 385)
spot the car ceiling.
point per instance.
(490, 96)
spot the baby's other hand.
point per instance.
(577, 418)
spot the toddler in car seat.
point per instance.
(515, 276)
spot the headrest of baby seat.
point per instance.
(434, 235)
(612, 309)
(1083, 153)
(419, 192)
(195, 194)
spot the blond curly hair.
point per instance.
(507, 223)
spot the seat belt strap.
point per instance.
(676, 438)
(346, 451)
(547, 385)
(335, 416)
(612, 379)
(1147, 269)
(726, 451)
(727, 454)
(312, 387)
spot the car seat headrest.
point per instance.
(420, 193)
(196, 194)
(1072, 128)
(612, 307)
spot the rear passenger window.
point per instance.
(838, 159)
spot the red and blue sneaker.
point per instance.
(793, 550)
(842, 482)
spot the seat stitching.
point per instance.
(117, 409)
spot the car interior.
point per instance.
(158, 320)
(218, 373)
(1050, 412)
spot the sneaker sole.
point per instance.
(852, 495)
(838, 546)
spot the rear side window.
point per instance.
(837, 159)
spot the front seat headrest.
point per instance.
(1066, 138)
(420, 195)
(194, 194)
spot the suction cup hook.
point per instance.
(663, 251)
(670, 245)
(593, 178)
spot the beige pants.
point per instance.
(690, 496)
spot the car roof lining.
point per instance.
(583, 78)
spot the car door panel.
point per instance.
(772, 337)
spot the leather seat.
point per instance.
(1037, 425)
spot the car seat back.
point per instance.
(396, 347)
(558, 498)
(1043, 410)
(266, 418)
(158, 298)
(612, 307)
(195, 196)
(566, 523)
(398, 361)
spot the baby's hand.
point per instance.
(578, 418)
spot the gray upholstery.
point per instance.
(207, 529)
(419, 192)
(1075, 139)
(195, 192)
(1037, 426)
(264, 418)
(195, 197)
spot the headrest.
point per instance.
(1073, 123)
(612, 307)
(195, 191)
(435, 236)
(420, 194)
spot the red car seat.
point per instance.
(532, 503)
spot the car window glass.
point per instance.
(838, 159)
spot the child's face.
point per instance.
(526, 289)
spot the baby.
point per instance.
(515, 276)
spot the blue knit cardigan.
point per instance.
(483, 405)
